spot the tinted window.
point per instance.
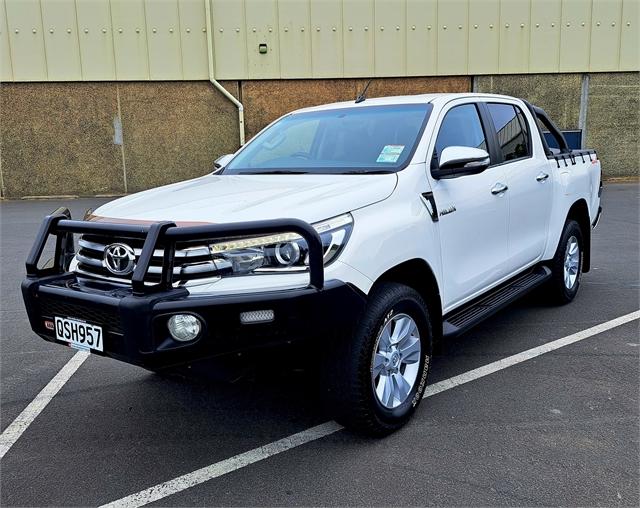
(347, 140)
(461, 127)
(511, 127)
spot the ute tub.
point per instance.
(134, 318)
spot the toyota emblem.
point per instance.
(119, 259)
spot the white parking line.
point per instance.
(490, 368)
(236, 462)
(15, 429)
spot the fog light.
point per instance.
(184, 327)
(256, 316)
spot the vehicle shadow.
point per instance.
(133, 428)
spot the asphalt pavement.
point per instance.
(559, 429)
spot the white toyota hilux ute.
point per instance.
(366, 229)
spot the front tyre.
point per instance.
(377, 377)
(566, 266)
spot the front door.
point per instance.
(473, 214)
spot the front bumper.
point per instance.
(134, 318)
(135, 327)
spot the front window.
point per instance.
(365, 139)
(461, 126)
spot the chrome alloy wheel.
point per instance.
(396, 360)
(571, 262)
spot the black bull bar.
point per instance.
(167, 234)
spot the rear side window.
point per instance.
(511, 127)
(460, 127)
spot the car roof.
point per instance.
(435, 98)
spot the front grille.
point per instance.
(109, 319)
(191, 261)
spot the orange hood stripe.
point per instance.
(112, 220)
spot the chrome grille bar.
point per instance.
(187, 252)
(189, 262)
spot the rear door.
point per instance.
(529, 182)
(472, 216)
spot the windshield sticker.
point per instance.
(390, 153)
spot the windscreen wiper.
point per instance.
(275, 172)
(367, 172)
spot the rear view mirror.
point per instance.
(221, 162)
(461, 160)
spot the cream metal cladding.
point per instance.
(105, 40)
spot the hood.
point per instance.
(239, 198)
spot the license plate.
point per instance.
(78, 334)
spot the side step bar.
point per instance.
(461, 320)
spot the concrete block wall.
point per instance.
(613, 121)
(89, 139)
(110, 138)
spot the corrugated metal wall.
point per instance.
(92, 40)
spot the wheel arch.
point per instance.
(418, 274)
(579, 212)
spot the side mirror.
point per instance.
(461, 160)
(221, 162)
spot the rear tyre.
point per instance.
(566, 265)
(375, 379)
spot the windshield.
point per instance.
(371, 139)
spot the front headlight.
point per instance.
(280, 252)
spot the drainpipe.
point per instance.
(225, 92)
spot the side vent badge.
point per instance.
(430, 203)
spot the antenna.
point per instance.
(362, 96)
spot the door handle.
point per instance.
(542, 176)
(499, 188)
